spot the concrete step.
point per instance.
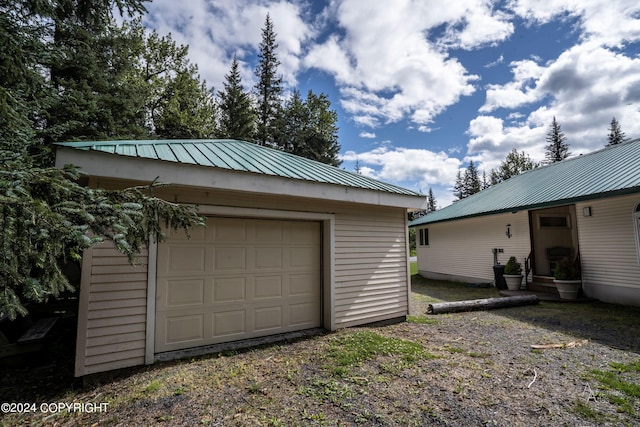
(538, 286)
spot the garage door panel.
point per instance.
(184, 329)
(187, 258)
(267, 287)
(304, 232)
(229, 230)
(230, 259)
(229, 289)
(304, 285)
(304, 257)
(257, 279)
(184, 292)
(268, 257)
(302, 314)
(269, 234)
(228, 323)
(267, 318)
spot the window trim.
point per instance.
(423, 237)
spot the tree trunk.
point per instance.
(481, 304)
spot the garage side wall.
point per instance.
(111, 331)
(371, 278)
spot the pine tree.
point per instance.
(514, 164)
(467, 184)
(307, 128)
(46, 218)
(237, 116)
(459, 187)
(188, 109)
(557, 147)
(615, 136)
(471, 180)
(431, 201)
(268, 87)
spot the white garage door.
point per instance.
(235, 279)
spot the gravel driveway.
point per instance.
(464, 369)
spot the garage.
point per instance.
(237, 278)
(289, 245)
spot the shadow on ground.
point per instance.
(613, 325)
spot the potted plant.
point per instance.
(568, 278)
(513, 274)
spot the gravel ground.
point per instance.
(467, 369)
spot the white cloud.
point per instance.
(387, 67)
(216, 29)
(404, 165)
(584, 87)
(606, 22)
(369, 135)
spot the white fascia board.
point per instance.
(105, 165)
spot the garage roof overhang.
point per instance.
(106, 165)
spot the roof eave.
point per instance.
(101, 164)
(542, 205)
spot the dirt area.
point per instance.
(463, 369)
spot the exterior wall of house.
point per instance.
(112, 311)
(608, 250)
(462, 250)
(365, 274)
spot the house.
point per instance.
(290, 244)
(586, 207)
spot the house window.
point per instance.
(636, 222)
(554, 221)
(424, 237)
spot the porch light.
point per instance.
(508, 233)
(586, 211)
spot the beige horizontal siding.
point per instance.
(371, 281)
(112, 313)
(461, 249)
(608, 250)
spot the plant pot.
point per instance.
(568, 289)
(513, 281)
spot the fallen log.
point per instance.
(481, 304)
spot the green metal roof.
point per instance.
(239, 156)
(611, 171)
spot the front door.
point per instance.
(554, 236)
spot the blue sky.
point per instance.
(423, 87)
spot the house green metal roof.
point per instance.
(614, 170)
(239, 156)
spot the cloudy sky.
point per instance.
(423, 87)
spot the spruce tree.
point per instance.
(46, 218)
(431, 201)
(237, 116)
(471, 180)
(268, 86)
(458, 187)
(615, 135)
(514, 164)
(557, 147)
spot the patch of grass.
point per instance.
(613, 381)
(453, 350)
(153, 386)
(413, 268)
(622, 385)
(423, 320)
(583, 410)
(350, 349)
